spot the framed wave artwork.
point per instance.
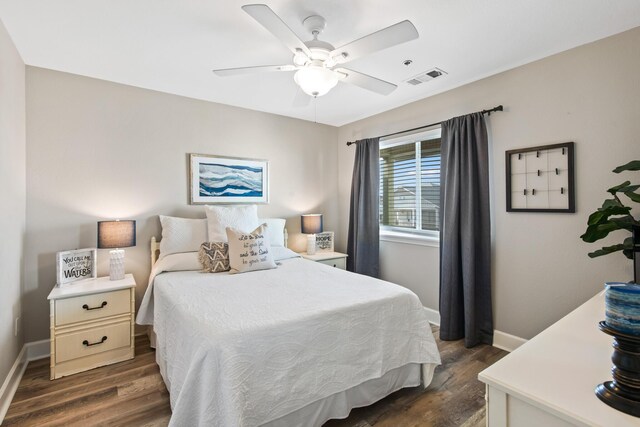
(234, 180)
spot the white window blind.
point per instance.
(410, 183)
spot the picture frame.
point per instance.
(227, 180)
(75, 265)
(541, 179)
(325, 242)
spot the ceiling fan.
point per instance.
(318, 65)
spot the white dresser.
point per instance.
(91, 324)
(550, 380)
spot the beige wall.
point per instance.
(590, 95)
(12, 182)
(98, 150)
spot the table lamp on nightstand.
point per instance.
(116, 235)
(311, 224)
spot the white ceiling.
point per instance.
(172, 46)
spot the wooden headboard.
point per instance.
(155, 247)
(155, 250)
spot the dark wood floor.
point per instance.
(132, 394)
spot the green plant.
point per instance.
(614, 215)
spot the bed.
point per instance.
(296, 345)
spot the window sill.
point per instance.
(409, 238)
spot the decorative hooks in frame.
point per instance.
(541, 179)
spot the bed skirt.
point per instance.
(339, 405)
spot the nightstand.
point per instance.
(335, 259)
(91, 324)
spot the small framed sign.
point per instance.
(324, 241)
(72, 266)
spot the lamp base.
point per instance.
(116, 264)
(311, 244)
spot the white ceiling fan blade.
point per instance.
(394, 35)
(272, 22)
(366, 82)
(251, 70)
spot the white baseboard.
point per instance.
(433, 316)
(507, 342)
(501, 340)
(37, 350)
(30, 351)
(12, 381)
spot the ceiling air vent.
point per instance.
(425, 76)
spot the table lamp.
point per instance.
(116, 235)
(311, 224)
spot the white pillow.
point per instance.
(181, 235)
(279, 253)
(243, 218)
(249, 251)
(275, 230)
(178, 262)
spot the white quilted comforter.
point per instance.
(245, 349)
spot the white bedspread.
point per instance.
(245, 349)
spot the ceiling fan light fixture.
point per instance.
(315, 80)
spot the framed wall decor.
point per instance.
(541, 179)
(214, 179)
(324, 242)
(76, 265)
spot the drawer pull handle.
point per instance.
(88, 344)
(103, 305)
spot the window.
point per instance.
(410, 183)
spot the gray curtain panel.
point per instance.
(465, 232)
(363, 245)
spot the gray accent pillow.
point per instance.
(214, 257)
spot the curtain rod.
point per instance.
(498, 108)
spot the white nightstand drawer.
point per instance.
(94, 306)
(334, 259)
(335, 262)
(92, 341)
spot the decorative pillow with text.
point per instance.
(249, 251)
(214, 257)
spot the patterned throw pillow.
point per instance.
(214, 257)
(249, 251)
